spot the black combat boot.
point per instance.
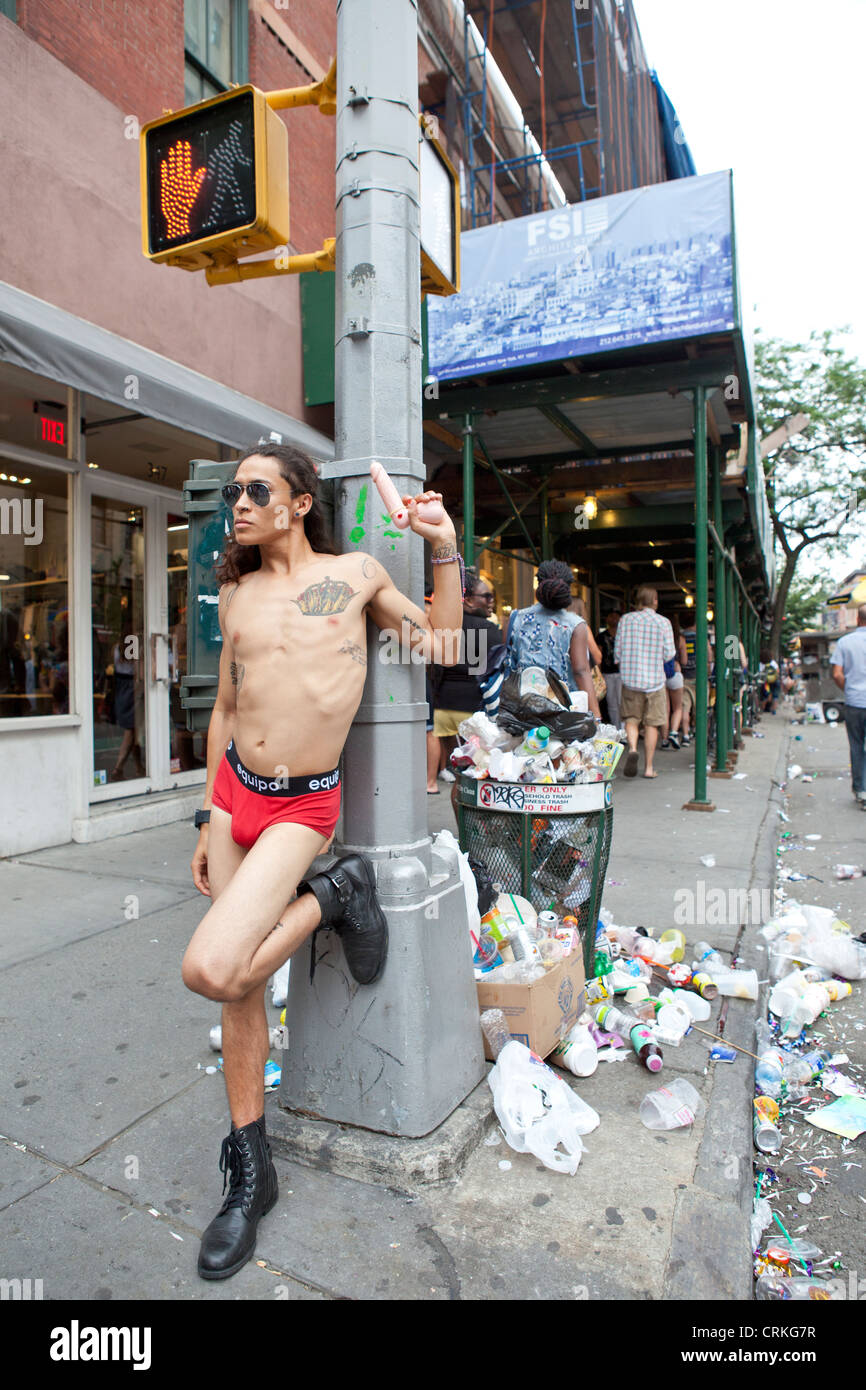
(346, 893)
(230, 1239)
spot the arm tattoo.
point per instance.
(237, 674)
(412, 623)
(369, 569)
(230, 596)
(354, 651)
(446, 551)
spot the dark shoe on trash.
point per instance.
(346, 893)
(630, 766)
(230, 1239)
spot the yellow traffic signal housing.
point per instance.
(440, 215)
(215, 181)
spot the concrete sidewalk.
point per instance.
(111, 1127)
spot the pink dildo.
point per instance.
(427, 511)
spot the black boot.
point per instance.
(230, 1239)
(346, 893)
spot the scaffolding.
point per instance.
(557, 102)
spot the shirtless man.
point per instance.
(293, 619)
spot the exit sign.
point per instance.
(51, 431)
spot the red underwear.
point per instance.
(255, 802)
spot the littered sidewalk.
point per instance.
(111, 1126)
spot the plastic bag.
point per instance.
(446, 840)
(539, 1113)
(520, 713)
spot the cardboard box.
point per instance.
(539, 1014)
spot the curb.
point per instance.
(710, 1255)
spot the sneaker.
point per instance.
(687, 738)
(446, 775)
(674, 740)
(666, 743)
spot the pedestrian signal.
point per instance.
(214, 181)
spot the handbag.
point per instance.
(599, 684)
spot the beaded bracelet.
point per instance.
(449, 560)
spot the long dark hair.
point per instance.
(299, 471)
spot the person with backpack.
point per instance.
(549, 635)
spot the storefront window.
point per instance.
(511, 579)
(34, 591)
(119, 641)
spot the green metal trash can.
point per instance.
(547, 843)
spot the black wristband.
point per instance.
(201, 818)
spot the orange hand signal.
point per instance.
(179, 188)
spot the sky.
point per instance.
(774, 89)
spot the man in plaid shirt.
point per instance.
(644, 642)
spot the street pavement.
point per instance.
(112, 1124)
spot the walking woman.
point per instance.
(674, 684)
(550, 636)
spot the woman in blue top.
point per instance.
(549, 636)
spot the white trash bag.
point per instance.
(538, 1111)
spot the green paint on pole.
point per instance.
(357, 533)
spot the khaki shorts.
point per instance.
(689, 699)
(445, 721)
(646, 707)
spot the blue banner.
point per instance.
(645, 266)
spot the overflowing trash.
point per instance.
(641, 998)
(814, 963)
(538, 736)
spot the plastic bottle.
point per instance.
(495, 1029)
(535, 741)
(816, 1062)
(655, 951)
(627, 938)
(647, 1049)
(703, 954)
(577, 1051)
(770, 1072)
(613, 1020)
(693, 1003)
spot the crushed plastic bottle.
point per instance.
(800, 1289)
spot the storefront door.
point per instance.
(138, 567)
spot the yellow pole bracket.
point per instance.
(282, 264)
(322, 94)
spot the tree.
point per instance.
(803, 608)
(816, 482)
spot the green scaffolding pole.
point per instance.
(720, 613)
(700, 801)
(468, 492)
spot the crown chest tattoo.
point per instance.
(328, 596)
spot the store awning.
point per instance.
(53, 343)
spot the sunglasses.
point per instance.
(259, 493)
